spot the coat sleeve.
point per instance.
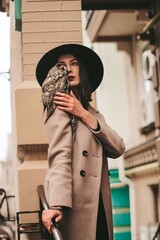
(58, 181)
(112, 143)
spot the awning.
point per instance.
(115, 4)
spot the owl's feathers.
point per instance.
(56, 81)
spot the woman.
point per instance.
(77, 180)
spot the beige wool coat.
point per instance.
(78, 171)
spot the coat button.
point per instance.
(82, 173)
(85, 153)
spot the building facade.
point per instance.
(132, 34)
(127, 37)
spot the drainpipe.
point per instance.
(18, 14)
(128, 181)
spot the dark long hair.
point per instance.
(84, 88)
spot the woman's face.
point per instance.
(72, 66)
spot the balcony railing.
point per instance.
(141, 155)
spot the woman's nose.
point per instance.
(69, 69)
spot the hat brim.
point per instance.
(89, 58)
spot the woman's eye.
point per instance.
(75, 63)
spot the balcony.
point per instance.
(142, 158)
(106, 26)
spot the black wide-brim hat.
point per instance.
(88, 57)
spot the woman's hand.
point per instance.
(48, 215)
(69, 103)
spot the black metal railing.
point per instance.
(6, 230)
(157, 233)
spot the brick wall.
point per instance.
(46, 24)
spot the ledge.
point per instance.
(32, 152)
(141, 155)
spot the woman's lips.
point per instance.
(71, 78)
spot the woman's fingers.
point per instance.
(68, 103)
(64, 100)
(60, 94)
(72, 94)
(48, 215)
(61, 99)
(65, 96)
(57, 219)
(57, 102)
(46, 219)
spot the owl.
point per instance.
(56, 81)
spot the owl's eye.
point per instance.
(63, 68)
(59, 65)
